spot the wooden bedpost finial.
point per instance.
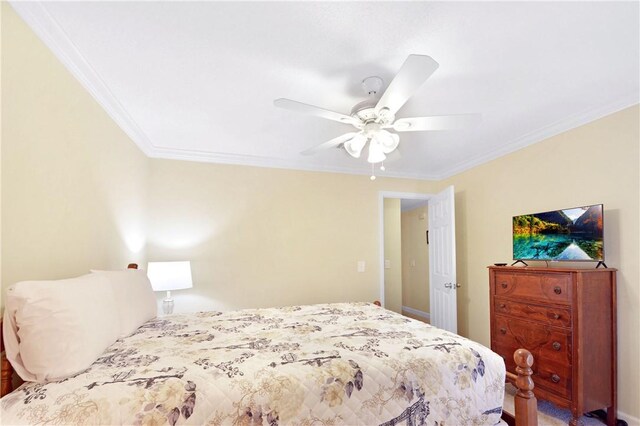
(132, 266)
(524, 361)
(377, 303)
(525, 401)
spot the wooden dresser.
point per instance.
(567, 319)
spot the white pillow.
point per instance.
(55, 329)
(134, 297)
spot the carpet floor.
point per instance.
(548, 414)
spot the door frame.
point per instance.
(381, 196)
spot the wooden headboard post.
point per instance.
(6, 374)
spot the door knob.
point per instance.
(451, 285)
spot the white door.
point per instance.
(442, 261)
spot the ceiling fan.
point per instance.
(374, 117)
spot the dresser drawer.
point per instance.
(543, 341)
(554, 377)
(554, 288)
(551, 376)
(558, 317)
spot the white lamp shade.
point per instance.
(166, 276)
(388, 141)
(376, 155)
(355, 145)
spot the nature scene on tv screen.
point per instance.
(570, 234)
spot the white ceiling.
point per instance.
(197, 80)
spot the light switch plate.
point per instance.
(361, 265)
(387, 264)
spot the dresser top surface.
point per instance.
(549, 269)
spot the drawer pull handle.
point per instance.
(556, 346)
(555, 378)
(503, 330)
(502, 306)
(504, 285)
(557, 290)
(556, 316)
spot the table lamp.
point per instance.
(167, 276)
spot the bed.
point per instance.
(328, 364)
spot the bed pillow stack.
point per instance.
(56, 329)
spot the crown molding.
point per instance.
(546, 132)
(271, 162)
(47, 28)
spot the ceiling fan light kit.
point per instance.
(373, 116)
(354, 146)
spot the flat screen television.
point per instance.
(574, 234)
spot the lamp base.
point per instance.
(167, 304)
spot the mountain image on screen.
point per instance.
(569, 234)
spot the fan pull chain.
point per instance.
(382, 167)
(373, 172)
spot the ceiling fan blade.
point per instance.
(330, 144)
(436, 122)
(415, 71)
(314, 110)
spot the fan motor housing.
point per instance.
(365, 111)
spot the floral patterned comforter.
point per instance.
(332, 364)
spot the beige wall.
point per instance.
(595, 163)
(73, 184)
(265, 237)
(393, 285)
(415, 259)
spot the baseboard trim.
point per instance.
(631, 420)
(417, 312)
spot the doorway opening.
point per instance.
(405, 255)
(430, 293)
